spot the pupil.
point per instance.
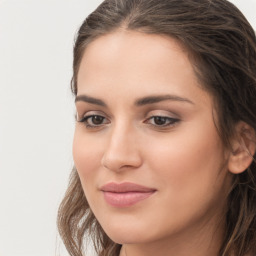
(97, 119)
(160, 120)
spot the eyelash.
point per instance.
(166, 120)
(87, 120)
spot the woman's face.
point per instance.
(146, 148)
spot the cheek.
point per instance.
(191, 178)
(190, 166)
(87, 157)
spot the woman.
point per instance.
(164, 146)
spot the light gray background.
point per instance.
(37, 118)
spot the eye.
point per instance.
(93, 121)
(162, 121)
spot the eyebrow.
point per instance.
(139, 102)
(159, 98)
(91, 100)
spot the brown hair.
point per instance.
(223, 48)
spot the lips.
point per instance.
(125, 194)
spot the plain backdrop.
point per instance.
(37, 118)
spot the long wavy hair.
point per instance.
(222, 47)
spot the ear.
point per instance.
(243, 148)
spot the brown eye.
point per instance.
(97, 120)
(162, 121)
(92, 121)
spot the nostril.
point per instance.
(121, 161)
(121, 150)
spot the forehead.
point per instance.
(128, 60)
(123, 48)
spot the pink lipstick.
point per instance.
(125, 194)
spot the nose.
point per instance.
(122, 151)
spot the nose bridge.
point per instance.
(122, 149)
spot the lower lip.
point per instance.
(125, 199)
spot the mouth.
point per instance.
(125, 194)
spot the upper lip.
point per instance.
(125, 187)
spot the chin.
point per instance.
(127, 238)
(129, 233)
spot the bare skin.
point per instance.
(143, 118)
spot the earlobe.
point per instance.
(243, 148)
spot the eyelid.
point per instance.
(163, 113)
(90, 113)
(170, 120)
(88, 118)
